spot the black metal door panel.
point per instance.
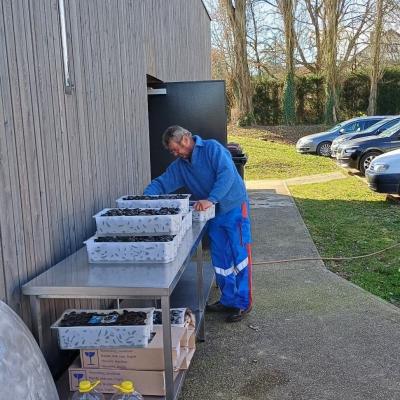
(199, 107)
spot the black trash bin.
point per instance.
(238, 157)
(240, 162)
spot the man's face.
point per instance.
(183, 148)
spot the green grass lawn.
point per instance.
(345, 218)
(275, 160)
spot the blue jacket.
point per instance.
(210, 174)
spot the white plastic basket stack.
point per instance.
(122, 236)
(180, 201)
(106, 334)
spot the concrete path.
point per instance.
(301, 180)
(311, 336)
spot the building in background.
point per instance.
(390, 51)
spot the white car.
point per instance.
(383, 174)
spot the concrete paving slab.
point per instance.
(277, 228)
(311, 336)
(319, 178)
(277, 186)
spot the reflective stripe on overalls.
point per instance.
(231, 256)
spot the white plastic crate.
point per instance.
(186, 225)
(177, 317)
(202, 216)
(187, 221)
(155, 202)
(81, 337)
(106, 252)
(137, 225)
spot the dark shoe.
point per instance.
(238, 315)
(218, 307)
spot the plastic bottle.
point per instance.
(86, 391)
(126, 391)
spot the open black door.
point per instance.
(199, 107)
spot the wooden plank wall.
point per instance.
(177, 40)
(63, 157)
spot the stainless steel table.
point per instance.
(75, 278)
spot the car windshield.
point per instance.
(336, 127)
(377, 125)
(389, 132)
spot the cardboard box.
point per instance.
(189, 338)
(189, 349)
(191, 343)
(187, 359)
(149, 383)
(144, 359)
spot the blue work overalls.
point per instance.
(230, 239)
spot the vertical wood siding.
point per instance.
(64, 157)
(177, 40)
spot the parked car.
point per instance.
(320, 143)
(373, 130)
(358, 153)
(383, 174)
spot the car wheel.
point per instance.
(324, 149)
(366, 159)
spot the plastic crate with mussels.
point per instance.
(121, 249)
(79, 329)
(180, 201)
(182, 317)
(139, 221)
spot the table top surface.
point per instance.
(76, 277)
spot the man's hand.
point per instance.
(202, 205)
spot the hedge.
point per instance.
(310, 97)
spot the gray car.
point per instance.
(320, 143)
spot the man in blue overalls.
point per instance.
(206, 168)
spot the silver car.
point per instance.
(373, 130)
(320, 143)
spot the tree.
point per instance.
(221, 41)
(353, 19)
(259, 42)
(286, 8)
(309, 36)
(243, 92)
(332, 19)
(376, 69)
(253, 41)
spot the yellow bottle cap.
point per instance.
(126, 387)
(86, 387)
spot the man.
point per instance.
(206, 168)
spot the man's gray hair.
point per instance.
(174, 133)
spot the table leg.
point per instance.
(167, 341)
(37, 326)
(200, 292)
